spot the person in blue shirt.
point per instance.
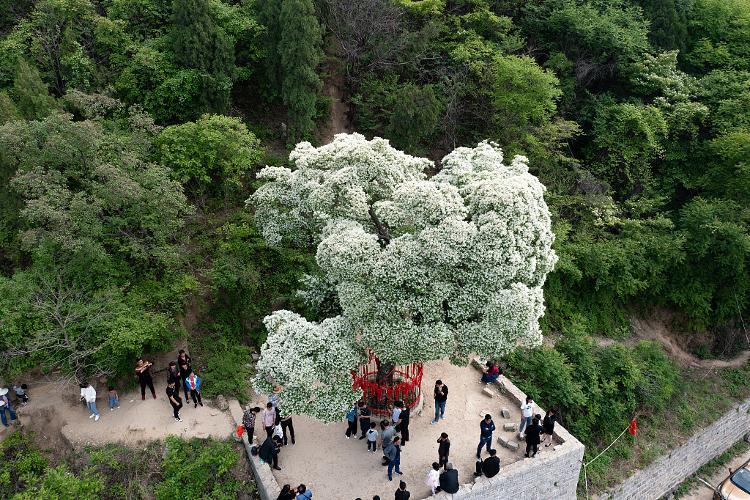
(303, 493)
(351, 421)
(193, 384)
(486, 428)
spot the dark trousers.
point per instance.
(404, 429)
(176, 409)
(351, 429)
(146, 381)
(269, 430)
(364, 424)
(443, 461)
(372, 445)
(287, 424)
(482, 442)
(186, 389)
(196, 397)
(531, 447)
(275, 459)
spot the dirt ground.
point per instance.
(57, 416)
(339, 468)
(703, 492)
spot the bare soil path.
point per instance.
(334, 86)
(658, 327)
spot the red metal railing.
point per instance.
(381, 387)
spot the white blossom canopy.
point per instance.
(424, 268)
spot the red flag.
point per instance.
(633, 427)
(241, 431)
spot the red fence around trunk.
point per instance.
(382, 385)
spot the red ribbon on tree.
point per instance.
(633, 427)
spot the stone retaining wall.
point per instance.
(268, 488)
(550, 475)
(661, 477)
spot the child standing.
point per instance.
(372, 437)
(114, 398)
(193, 383)
(22, 393)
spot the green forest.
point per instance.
(131, 132)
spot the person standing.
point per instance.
(449, 479)
(364, 419)
(287, 424)
(532, 438)
(269, 451)
(143, 371)
(490, 466)
(269, 419)
(527, 411)
(401, 492)
(398, 406)
(403, 426)
(351, 423)
(185, 370)
(5, 406)
(486, 428)
(173, 394)
(173, 373)
(183, 358)
(393, 452)
(114, 398)
(388, 433)
(441, 396)
(444, 448)
(372, 437)
(433, 478)
(248, 421)
(88, 394)
(193, 383)
(548, 426)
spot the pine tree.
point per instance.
(199, 44)
(30, 93)
(300, 53)
(268, 16)
(668, 23)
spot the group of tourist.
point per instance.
(180, 376)
(391, 434)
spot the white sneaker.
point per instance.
(96, 418)
(111, 409)
(91, 416)
(178, 420)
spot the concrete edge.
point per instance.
(268, 488)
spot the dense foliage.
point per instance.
(198, 469)
(131, 130)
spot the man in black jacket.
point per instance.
(449, 479)
(269, 451)
(441, 396)
(489, 467)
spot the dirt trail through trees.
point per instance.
(657, 327)
(333, 86)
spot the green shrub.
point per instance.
(198, 469)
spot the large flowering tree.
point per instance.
(424, 268)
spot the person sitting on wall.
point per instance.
(492, 372)
(449, 479)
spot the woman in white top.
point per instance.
(88, 394)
